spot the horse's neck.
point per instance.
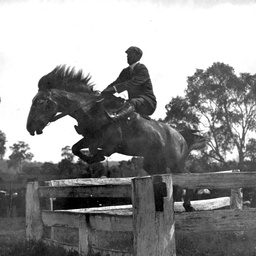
(72, 104)
(67, 100)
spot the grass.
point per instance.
(216, 244)
(13, 243)
(33, 248)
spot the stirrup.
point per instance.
(112, 117)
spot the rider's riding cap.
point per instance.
(135, 49)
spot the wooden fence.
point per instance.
(147, 227)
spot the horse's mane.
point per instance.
(66, 78)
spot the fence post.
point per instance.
(34, 224)
(83, 246)
(153, 216)
(236, 202)
(236, 199)
(50, 206)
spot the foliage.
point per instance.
(66, 166)
(49, 168)
(31, 169)
(66, 153)
(2, 145)
(223, 105)
(97, 170)
(20, 153)
(179, 113)
(250, 151)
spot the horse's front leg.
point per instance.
(96, 156)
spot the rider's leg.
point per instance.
(126, 111)
(140, 105)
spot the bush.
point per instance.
(33, 248)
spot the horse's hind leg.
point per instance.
(187, 200)
(179, 193)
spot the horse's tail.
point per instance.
(194, 140)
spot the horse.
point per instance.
(64, 92)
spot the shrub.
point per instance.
(33, 248)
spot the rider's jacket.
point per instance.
(138, 84)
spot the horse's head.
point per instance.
(70, 93)
(42, 111)
(62, 90)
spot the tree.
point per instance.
(66, 153)
(49, 168)
(225, 106)
(66, 167)
(179, 113)
(251, 150)
(20, 153)
(2, 145)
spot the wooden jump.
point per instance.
(151, 215)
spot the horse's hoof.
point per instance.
(78, 129)
(189, 208)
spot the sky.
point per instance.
(177, 37)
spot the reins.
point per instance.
(72, 110)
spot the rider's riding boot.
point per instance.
(123, 113)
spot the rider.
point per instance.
(136, 80)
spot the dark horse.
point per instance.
(66, 92)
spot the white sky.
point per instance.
(36, 36)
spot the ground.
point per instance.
(216, 244)
(12, 231)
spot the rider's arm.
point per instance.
(140, 77)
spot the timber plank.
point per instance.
(91, 181)
(116, 191)
(118, 210)
(204, 205)
(55, 218)
(219, 220)
(68, 247)
(215, 180)
(122, 186)
(115, 218)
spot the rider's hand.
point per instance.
(109, 90)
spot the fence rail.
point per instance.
(151, 215)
